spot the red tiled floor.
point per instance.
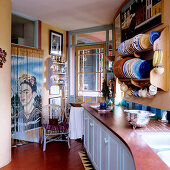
(56, 157)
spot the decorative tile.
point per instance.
(127, 104)
(130, 105)
(158, 113)
(153, 110)
(136, 106)
(144, 107)
(148, 108)
(140, 107)
(133, 105)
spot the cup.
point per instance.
(144, 93)
(159, 69)
(102, 105)
(152, 90)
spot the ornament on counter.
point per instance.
(3, 55)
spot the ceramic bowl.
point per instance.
(138, 118)
(103, 105)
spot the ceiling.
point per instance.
(69, 14)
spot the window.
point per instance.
(24, 31)
(90, 70)
(85, 39)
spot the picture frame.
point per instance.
(140, 16)
(56, 43)
(117, 28)
(54, 90)
(55, 100)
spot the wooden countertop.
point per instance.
(144, 157)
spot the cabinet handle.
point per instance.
(91, 124)
(105, 140)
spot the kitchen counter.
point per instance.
(144, 157)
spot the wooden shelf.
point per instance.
(162, 43)
(141, 83)
(159, 81)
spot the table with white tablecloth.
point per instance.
(76, 122)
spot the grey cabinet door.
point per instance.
(91, 137)
(96, 157)
(128, 162)
(114, 154)
(104, 150)
(86, 131)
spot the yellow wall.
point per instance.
(162, 99)
(45, 46)
(5, 84)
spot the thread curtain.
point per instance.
(26, 94)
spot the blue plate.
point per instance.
(139, 45)
(136, 67)
(145, 69)
(153, 36)
(125, 69)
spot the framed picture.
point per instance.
(54, 90)
(117, 31)
(140, 16)
(56, 43)
(55, 100)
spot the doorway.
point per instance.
(90, 71)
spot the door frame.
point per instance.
(87, 48)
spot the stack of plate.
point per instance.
(128, 68)
(132, 68)
(118, 68)
(130, 46)
(138, 43)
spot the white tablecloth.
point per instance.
(76, 122)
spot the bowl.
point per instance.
(103, 105)
(138, 118)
